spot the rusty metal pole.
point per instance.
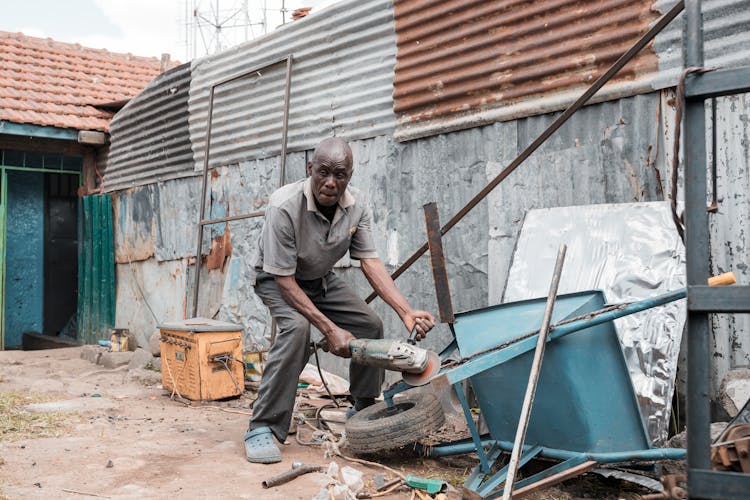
(536, 368)
(437, 263)
(202, 207)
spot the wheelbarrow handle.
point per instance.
(524, 344)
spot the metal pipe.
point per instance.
(298, 469)
(202, 207)
(697, 254)
(259, 213)
(536, 368)
(285, 120)
(466, 446)
(559, 121)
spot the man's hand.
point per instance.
(422, 320)
(338, 342)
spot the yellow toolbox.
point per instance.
(202, 359)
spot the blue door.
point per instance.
(24, 255)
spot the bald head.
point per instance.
(330, 171)
(333, 149)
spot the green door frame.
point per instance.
(3, 226)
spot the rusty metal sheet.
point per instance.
(134, 224)
(437, 263)
(463, 57)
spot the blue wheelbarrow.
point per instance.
(585, 412)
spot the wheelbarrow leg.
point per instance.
(483, 462)
(477, 476)
(499, 478)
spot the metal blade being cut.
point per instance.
(432, 369)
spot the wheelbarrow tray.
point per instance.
(585, 400)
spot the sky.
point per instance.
(146, 27)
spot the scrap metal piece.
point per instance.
(298, 469)
(437, 263)
(732, 451)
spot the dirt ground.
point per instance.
(72, 429)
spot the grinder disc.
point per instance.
(433, 367)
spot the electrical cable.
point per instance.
(322, 378)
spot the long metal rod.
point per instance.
(697, 255)
(559, 121)
(285, 120)
(202, 206)
(536, 368)
(259, 213)
(467, 446)
(204, 175)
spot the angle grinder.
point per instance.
(417, 365)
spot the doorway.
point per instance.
(38, 245)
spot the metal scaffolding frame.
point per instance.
(703, 300)
(282, 163)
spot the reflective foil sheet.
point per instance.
(631, 252)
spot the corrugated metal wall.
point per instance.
(466, 63)
(457, 56)
(493, 54)
(149, 136)
(342, 81)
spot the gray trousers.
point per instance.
(291, 349)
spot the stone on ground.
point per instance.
(114, 359)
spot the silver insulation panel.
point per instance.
(631, 251)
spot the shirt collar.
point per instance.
(346, 201)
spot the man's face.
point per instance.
(329, 176)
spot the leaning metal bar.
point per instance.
(204, 175)
(285, 121)
(201, 208)
(467, 446)
(536, 368)
(697, 255)
(559, 121)
(483, 362)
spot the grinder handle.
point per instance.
(413, 336)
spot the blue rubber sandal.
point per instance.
(260, 447)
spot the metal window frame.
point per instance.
(702, 300)
(282, 167)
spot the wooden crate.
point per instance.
(202, 359)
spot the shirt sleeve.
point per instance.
(362, 245)
(279, 245)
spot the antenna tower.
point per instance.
(211, 26)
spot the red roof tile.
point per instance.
(44, 82)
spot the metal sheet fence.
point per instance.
(96, 271)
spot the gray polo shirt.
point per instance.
(298, 240)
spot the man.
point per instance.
(309, 225)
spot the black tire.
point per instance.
(379, 428)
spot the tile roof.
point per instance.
(44, 82)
